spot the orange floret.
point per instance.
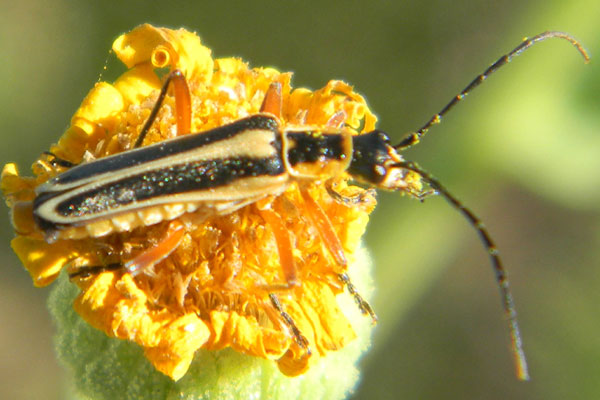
(209, 293)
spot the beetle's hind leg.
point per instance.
(183, 105)
(149, 258)
(143, 262)
(89, 270)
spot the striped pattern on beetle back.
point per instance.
(233, 162)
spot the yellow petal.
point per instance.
(97, 113)
(245, 335)
(179, 341)
(138, 83)
(43, 261)
(14, 187)
(165, 47)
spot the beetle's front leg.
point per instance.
(349, 201)
(334, 246)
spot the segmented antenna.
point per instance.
(501, 275)
(415, 137)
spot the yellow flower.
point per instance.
(209, 293)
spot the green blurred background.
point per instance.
(523, 152)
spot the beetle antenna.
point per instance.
(501, 275)
(415, 137)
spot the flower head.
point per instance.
(212, 291)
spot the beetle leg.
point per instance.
(325, 228)
(335, 248)
(272, 100)
(300, 339)
(183, 102)
(284, 248)
(159, 252)
(89, 270)
(57, 161)
(286, 258)
(362, 304)
(144, 261)
(423, 194)
(183, 105)
(349, 201)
